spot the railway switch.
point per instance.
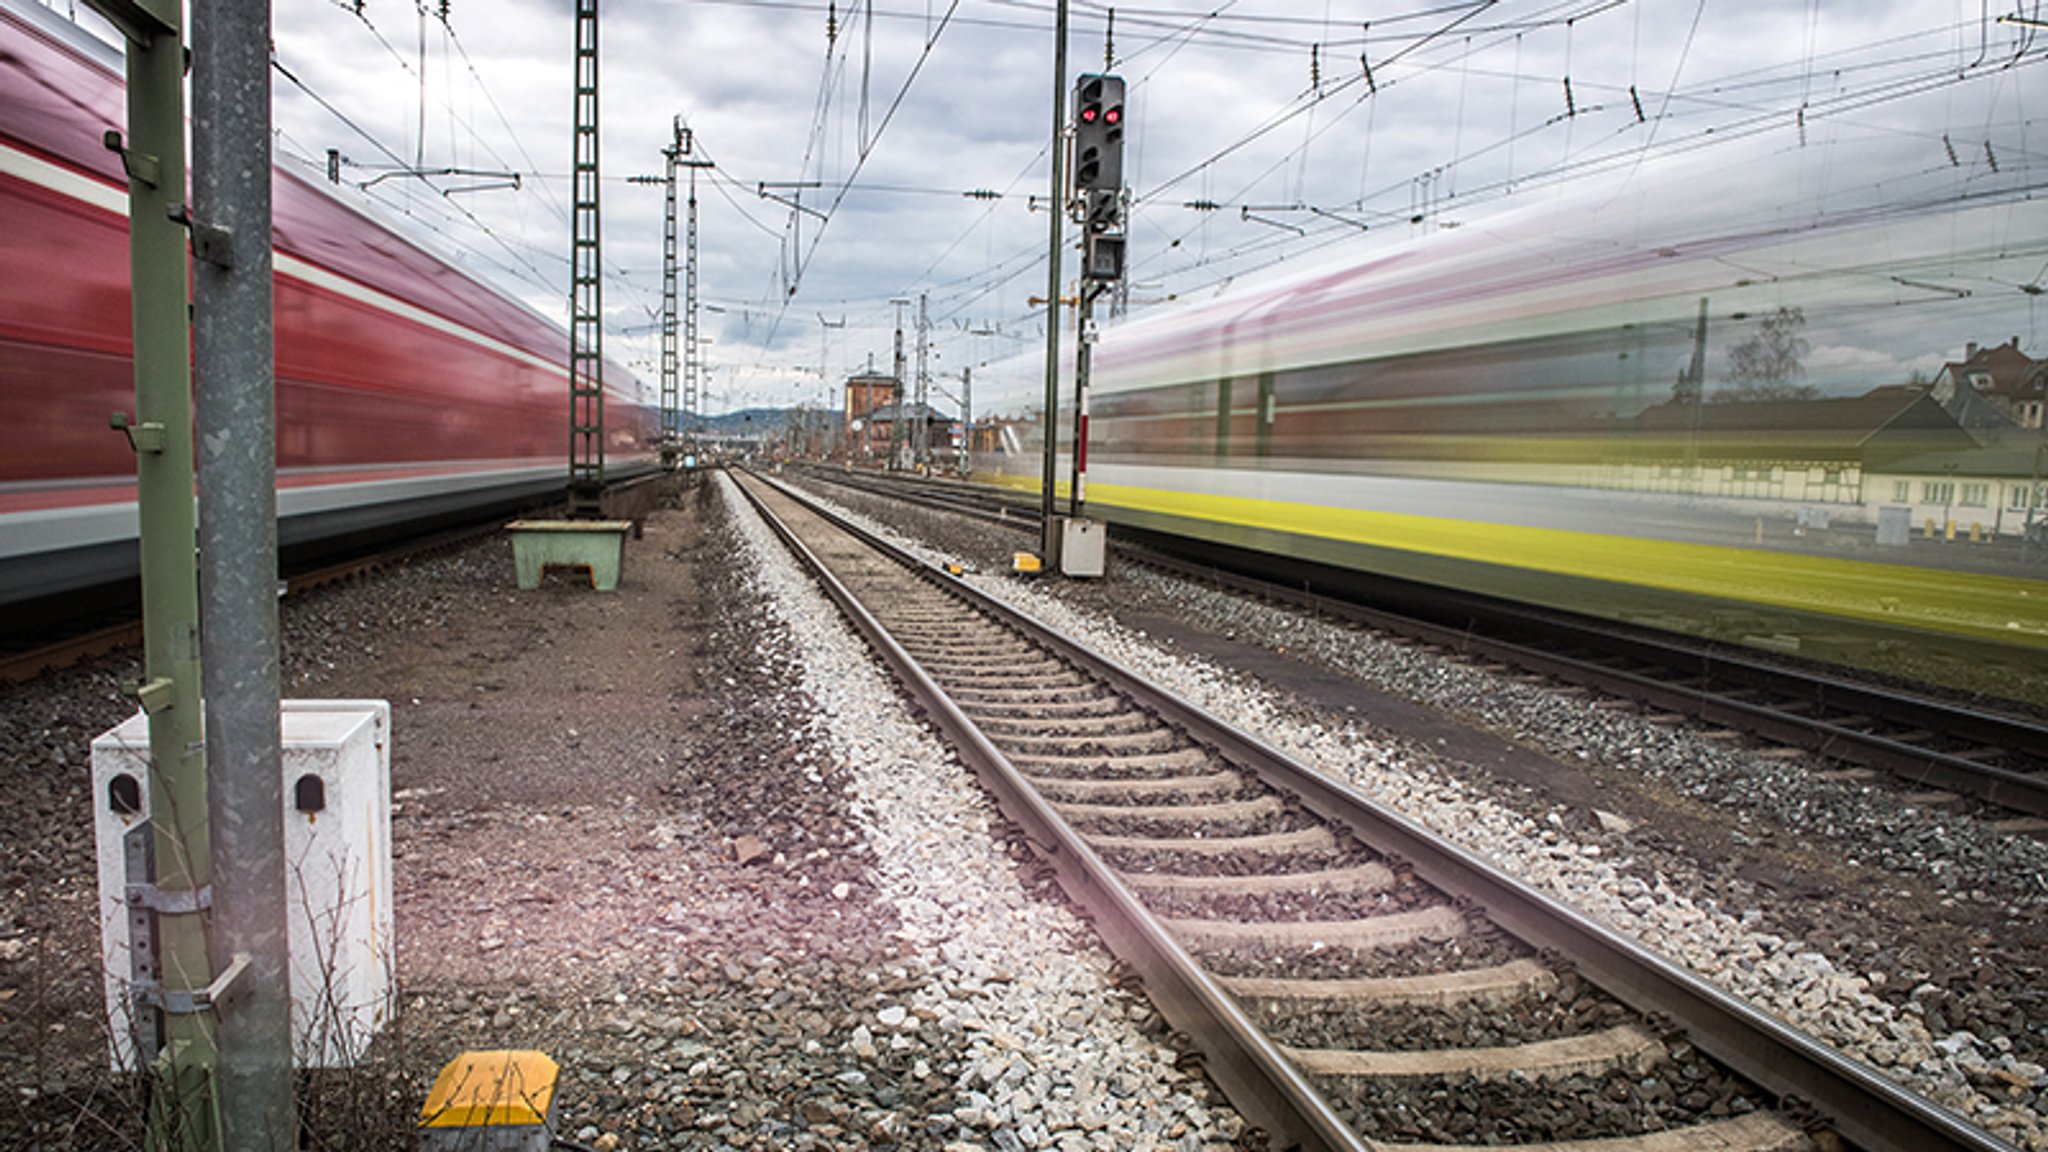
(496, 1101)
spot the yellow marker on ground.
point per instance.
(502, 1100)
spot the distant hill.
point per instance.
(761, 421)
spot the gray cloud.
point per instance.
(1470, 104)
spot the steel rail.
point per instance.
(1258, 1080)
(20, 665)
(2018, 791)
(1862, 1105)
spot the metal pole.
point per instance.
(586, 283)
(1695, 389)
(1052, 280)
(921, 447)
(966, 421)
(181, 1113)
(896, 394)
(234, 368)
(1083, 354)
(693, 350)
(2034, 489)
(670, 431)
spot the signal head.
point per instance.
(1098, 133)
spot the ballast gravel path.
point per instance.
(1052, 1049)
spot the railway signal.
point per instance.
(1103, 212)
(1103, 258)
(1099, 133)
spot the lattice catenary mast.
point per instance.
(586, 285)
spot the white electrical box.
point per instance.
(1083, 543)
(337, 864)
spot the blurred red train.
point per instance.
(408, 389)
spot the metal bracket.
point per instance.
(139, 20)
(138, 856)
(197, 1000)
(140, 166)
(170, 901)
(213, 243)
(146, 438)
(156, 695)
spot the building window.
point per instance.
(1937, 492)
(1902, 491)
(1975, 495)
(2016, 497)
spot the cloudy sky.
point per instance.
(1262, 133)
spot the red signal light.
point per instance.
(1089, 114)
(1113, 116)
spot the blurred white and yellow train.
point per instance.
(1815, 429)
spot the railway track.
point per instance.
(1339, 972)
(121, 625)
(1940, 749)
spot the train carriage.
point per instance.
(408, 387)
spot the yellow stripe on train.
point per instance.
(2004, 609)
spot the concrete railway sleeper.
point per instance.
(1338, 972)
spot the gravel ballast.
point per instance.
(1910, 938)
(682, 838)
(1050, 1047)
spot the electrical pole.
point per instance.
(966, 420)
(2034, 487)
(921, 445)
(236, 399)
(586, 285)
(1050, 423)
(170, 861)
(1077, 491)
(693, 363)
(896, 395)
(671, 154)
(1695, 393)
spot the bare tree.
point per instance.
(1767, 364)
